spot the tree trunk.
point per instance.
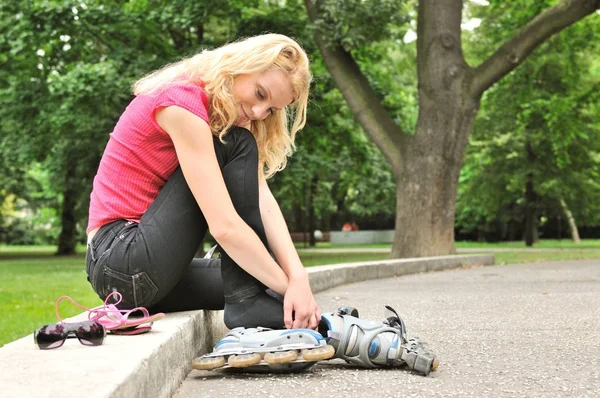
(338, 217)
(305, 217)
(66, 240)
(427, 182)
(298, 216)
(312, 224)
(571, 220)
(431, 159)
(530, 196)
(529, 212)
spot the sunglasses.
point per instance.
(53, 336)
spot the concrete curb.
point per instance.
(147, 365)
(328, 276)
(155, 364)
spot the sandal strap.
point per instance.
(142, 309)
(108, 315)
(75, 303)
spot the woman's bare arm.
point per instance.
(193, 142)
(299, 298)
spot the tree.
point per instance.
(426, 165)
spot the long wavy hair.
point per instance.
(217, 69)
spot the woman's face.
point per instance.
(258, 95)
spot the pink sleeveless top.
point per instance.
(139, 156)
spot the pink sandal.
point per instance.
(115, 320)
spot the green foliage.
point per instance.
(66, 68)
(68, 80)
(287, 18)
(353, 178)
(357, 23)
(549, 104)
(68, 84)
(32, 219)
(390, 67)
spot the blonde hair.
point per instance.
(216, 69)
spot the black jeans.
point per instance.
(152, 263)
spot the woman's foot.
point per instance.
(261, 310)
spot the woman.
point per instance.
(192, 153)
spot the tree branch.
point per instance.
(361, 98)
(520, 46)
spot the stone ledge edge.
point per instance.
(167, 362)
(329, 276)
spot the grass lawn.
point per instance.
(31, 278)
(29, 288)
(31, 281)
(534, 257)
(543, 244)
(310, 259)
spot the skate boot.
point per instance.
(374, 344)
(266, 350)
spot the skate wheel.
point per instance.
(281, 357)
(318, 354)
(435, 364)
(208, 363)
(244, 360)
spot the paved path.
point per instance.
(527, 330)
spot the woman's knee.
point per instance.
(239, 137)
(242, 134)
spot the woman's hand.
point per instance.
(300, 302)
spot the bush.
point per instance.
(42, 228)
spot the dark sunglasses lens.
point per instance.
(90, 334)
(50, 336)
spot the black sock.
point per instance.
(260, 310)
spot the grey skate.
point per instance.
(375, 344)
